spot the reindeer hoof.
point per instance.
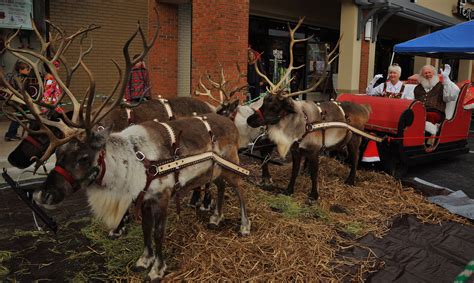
(157, 271)
(206, 204)
(245, 229)
(115, 234)
(312, 201)
(214, 220)
(143, 263)
(266, 182)
(349, 182)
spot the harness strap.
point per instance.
(33, 141)
(318, 126)
(167, 107)
(130, 119)
(68, 177)
(338, 104)
(103, 168)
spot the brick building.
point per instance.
(196, 34)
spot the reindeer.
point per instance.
(229, 106)
(149, 163)
(36, 142)
(306, 128)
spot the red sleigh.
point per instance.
(403, 123)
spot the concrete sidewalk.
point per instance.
(7, 147)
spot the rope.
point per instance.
(256, 98)
(466, 274)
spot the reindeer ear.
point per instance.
(99, 138)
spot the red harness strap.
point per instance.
(151, 173)
(70, 179)
(65, 174)
(32, 140)
(101, 163)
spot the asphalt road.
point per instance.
(455, 173)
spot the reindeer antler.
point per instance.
(68, 132)
(81, 121)
(41, 57)
(225, 94)
(278, 87)
(328, 59)
(124, 76)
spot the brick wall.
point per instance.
(163, 60)
(219, 32)
(364, 64)
(117, 19)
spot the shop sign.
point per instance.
(464, 12)
(16, 13)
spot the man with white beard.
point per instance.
(435, 94)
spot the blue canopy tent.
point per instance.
(456, 42)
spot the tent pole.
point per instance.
(391, 61)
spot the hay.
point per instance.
(290, 240)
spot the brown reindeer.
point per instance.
(298, 126)
(149, 163)
(36, 142)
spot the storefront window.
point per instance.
(272, 38)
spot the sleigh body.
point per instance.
(402, 121)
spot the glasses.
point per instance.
(395, 64)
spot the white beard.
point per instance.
(428, 84)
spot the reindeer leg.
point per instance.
(121, 228)
(207, 200)
(195, 197)
(296, 158)
(217, 217)
(313, 162)
(160, 213)
(353, 150)
(244, 220)
(266, 177)
(148, 222)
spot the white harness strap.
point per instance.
(317, 126)
(176, 164)
(167, 106)
(182, 162)
(169, 130)
(204, 121)
(129, 113)
(339, 106)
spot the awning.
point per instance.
(453, 42)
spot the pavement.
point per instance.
(456, 173)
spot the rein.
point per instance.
(96, 174)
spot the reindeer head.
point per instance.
(226, 93)
(279, 103)
(75, 168)
(78, 143)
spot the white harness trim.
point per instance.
(339, 106)
(176, 164)
(167, 106)
(317, 126)
(182, 162)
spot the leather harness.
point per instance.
(163, 101)
(322, 126)
(159, 168)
